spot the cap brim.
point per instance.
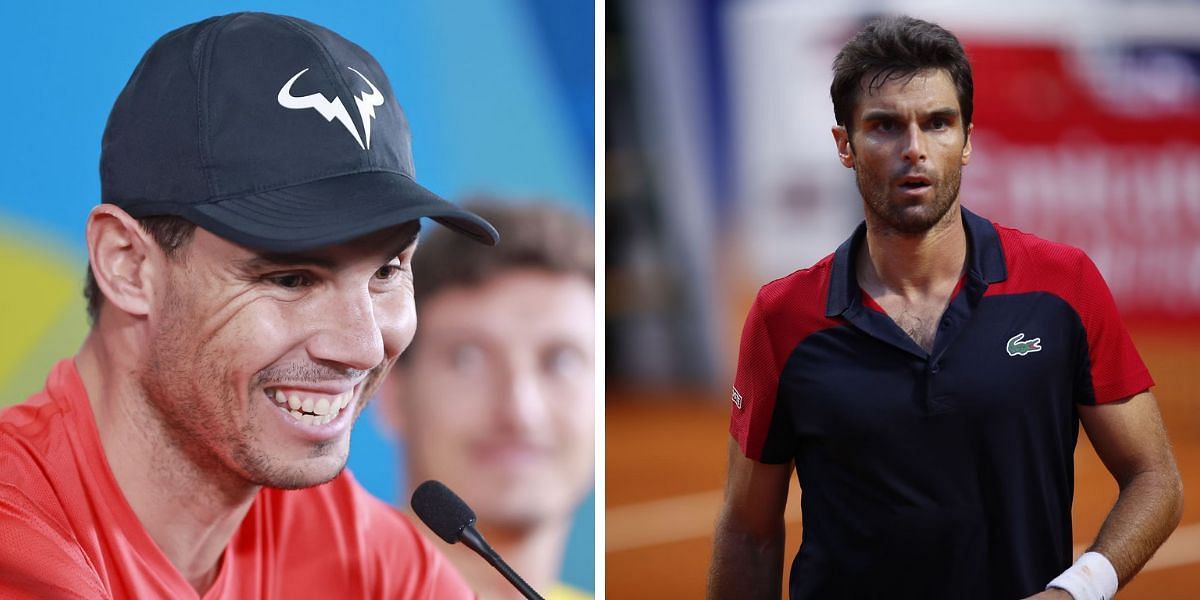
(331, 211)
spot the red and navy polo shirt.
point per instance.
(933, 474)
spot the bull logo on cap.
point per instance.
(335, 109)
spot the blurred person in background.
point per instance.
(927, 380)
(495, 397)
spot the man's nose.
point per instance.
(348, 330)
(522, 404)
(914, 144)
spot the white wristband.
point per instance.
(1092, 577)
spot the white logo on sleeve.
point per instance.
(334, 109)
(737, 399)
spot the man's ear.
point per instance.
(841, 137)
(117, 251)
(966, 153)
(388, 398)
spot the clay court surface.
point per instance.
(666, 461)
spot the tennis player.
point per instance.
(926, 381)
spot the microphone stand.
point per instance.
(472, 538)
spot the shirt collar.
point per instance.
(984, 255)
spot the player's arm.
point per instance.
(1130, 439)
(748, 543)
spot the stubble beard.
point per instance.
(190, 422)
(192, 400)
(906, 218)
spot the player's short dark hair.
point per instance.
(891, 48)
(539, 236)
(170, 232)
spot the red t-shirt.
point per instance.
(66, 530)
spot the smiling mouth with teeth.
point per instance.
(309, 409)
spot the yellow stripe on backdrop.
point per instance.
(42, 310)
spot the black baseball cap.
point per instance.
(271, 132)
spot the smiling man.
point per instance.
(250, 284)
(926, 381)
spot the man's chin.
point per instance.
(913, 220)
(522, 512)
(300, 476)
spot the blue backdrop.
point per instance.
(499, 95)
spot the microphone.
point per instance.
(453, 521)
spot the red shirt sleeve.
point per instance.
(755, 388)
(1115, 368)
(784, 313)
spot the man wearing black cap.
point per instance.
(249, 286)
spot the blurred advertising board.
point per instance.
(1087, 132)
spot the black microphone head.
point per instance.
(442, 510)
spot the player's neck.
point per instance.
(188, 509)
(534, 553)
(913, 265)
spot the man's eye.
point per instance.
(290, 280)
(387, 272)
(886, 125)
(563, 361)
(466, 357)
(938, 123)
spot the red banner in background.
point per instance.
(1099, 150)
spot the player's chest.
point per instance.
(1008, 357)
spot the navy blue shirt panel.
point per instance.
(945, 471)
